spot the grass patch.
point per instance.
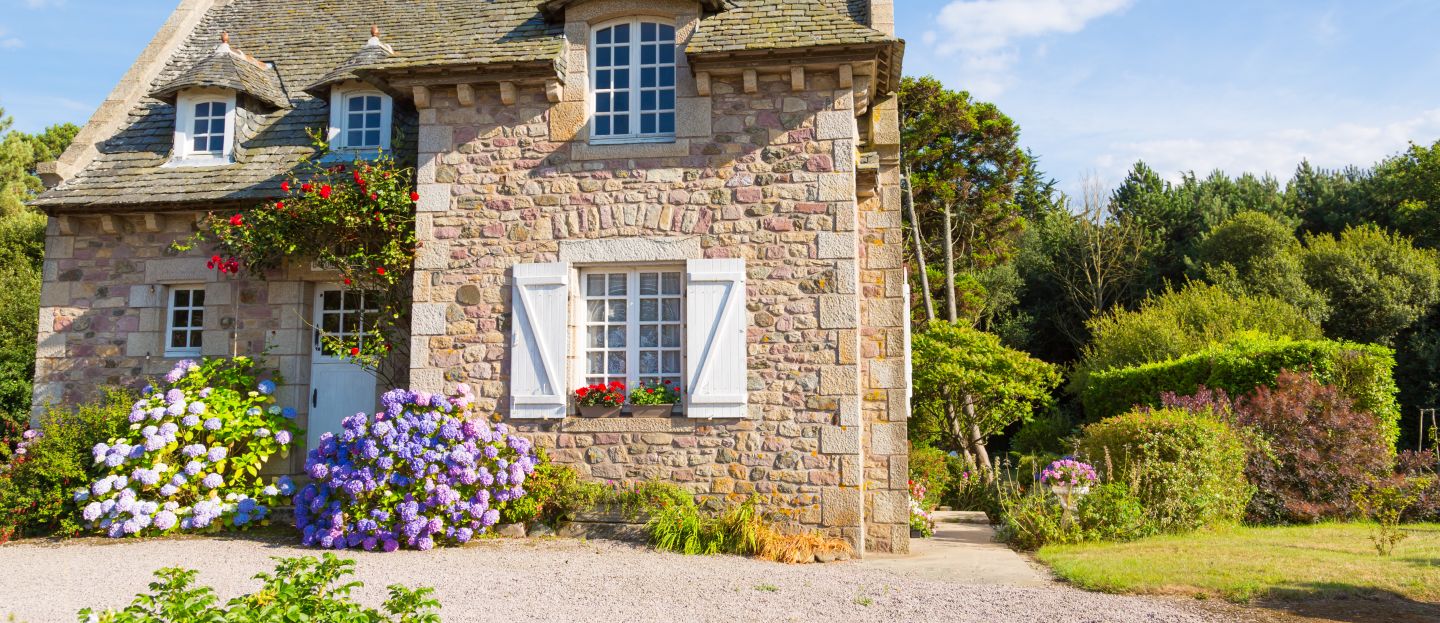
(1241, 564)
(767, 588)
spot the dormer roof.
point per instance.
(230, 69)
(372, 53)
(554, 8)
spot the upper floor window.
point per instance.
(633, 78)
(185, 323)
(360, 119)
(204, 128)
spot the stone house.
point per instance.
(703, 191)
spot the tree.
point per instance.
(963, 162)
(16, 156)
(1378, 283)
(996, 386)
(1254, 253)
(1406, 191)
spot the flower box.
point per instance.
(651, 411)
(599, 411)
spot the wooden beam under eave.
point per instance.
(702, 83)
(507, 93)
(422, 97)
(466, 94)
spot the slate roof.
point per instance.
(228, 69)
(314, 43)
(373, 53)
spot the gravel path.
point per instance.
(559, 580)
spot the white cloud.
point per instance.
(984, 33)
(43, 4)
(9, 43)
(1276, 152)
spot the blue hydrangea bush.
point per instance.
(191, 459)
(422, 473)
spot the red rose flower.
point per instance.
(279, 205)
(236, 220)
(306, 187)
(354, 352)
(414, 196)
(347, 281)
(380, 270)
(325, 191)
(374, 196)
(285, 186)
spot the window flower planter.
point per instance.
(600, 411)
(651, 411)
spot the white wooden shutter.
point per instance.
(716, 342)
(539, 340)
(909, 361)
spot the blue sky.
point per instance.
(1094, 84)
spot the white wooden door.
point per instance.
(338, 387)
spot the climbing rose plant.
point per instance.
(192, 457)
(357, 219)
(421, 473)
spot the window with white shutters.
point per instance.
(539, 340)
(716, 321)
(634, 325)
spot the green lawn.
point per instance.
(1240, 564)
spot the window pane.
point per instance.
(647, 77)
(617, 284)
(217, 144)
(217, 109)
(196, 339)
(622, 56)
(649, 310)
(648, 100)
(617, 337)
(617, 311)
(647, 32)
(182, 298)
(602, 79)
(649, 362)
(616, 363)
(671, 362)
(201, 126)
(649, 336)
(667, 52)
(197, 298)
(647, 123)
(670, 310)
(217, 126)
(355, 138)
(603, 36)
(667, 123)
(649, 284)
(597, 337)
(602, 126)
(597, 311)
(670, 283)
(178, 340)
(667, 99)
(595, 285)
(602, 102)
(595, 363)
(622, 78)
(622, 125)
(670, 337)
(622, 33)
(622, 104)
(202, 109)
(179, 318)
(648, 55)
(201, 143)
(667, 33)
(372, 137)
(330, 323)
(667, 76)
(604, 57)
(357, 120)
(197, 319)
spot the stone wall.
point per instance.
(772, 179)
(103, 306)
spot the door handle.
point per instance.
(314, 398)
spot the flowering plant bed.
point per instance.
(191, 458)
(653, 399)
(1070, 474)
(421, 473)
(601, 400)
(922, 523)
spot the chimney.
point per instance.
(882, 16)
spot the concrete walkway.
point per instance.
(963, 551)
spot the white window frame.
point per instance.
(635, 136)
(580, 337)
(365, 311)
(340, 118)
(185, 103)
(191, 308)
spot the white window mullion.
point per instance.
(632, 331)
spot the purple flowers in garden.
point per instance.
(1070, 472)
(420, 474)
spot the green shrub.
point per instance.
(1112, 512)
(22, 243)
(1188, 472)
(1046, 434)
(1182, 322)
(1362, 373)
(301, 589)
(37, 487)
(553, 494)
(931, 467)
(1033, 519)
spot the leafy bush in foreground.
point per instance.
(1188, 472)
(191, 457)
(39, 475)
(301, 589)
(422, 473)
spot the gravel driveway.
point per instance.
(558, 580)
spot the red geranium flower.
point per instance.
(582, 392)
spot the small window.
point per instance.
(185, 327)
(343, 315)
(633, 79)
(360, 119)
(634, 329)
(204, 128)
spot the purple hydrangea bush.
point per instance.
(422, 473)
(191, 459)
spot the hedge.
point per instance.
(1362, 373)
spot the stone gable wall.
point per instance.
(774, 182)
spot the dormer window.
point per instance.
(204, 128)
(632, 76)
(360, 118)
